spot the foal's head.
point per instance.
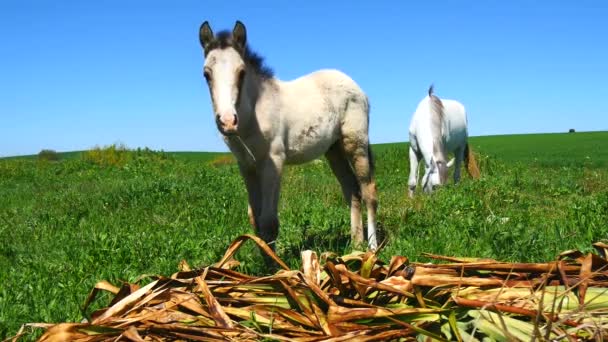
(228, 60)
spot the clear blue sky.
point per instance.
(75, 74)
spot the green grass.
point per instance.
(184, 156)
(556, 149)
(197, 156)
(66, 225)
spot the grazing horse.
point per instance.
(439, 127)
(268, 123)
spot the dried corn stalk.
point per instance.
(357, 297)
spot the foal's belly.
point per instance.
(309, 142)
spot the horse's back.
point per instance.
(455, 112)
(345, 99)
(327, 83)
(333, 84)
(332, 77)
(316, 109)
(454, 130)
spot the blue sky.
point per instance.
(75, 74)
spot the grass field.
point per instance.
(66, 225)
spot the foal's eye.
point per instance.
(207, 75)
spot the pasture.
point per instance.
(66, 225)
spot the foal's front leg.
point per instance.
(270, 183)
(252, 183)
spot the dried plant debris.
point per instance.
(356, 297)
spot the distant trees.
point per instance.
(48, 155)
(571, 130)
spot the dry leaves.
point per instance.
(356, 297)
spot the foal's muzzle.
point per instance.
(227, 124)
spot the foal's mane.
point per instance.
(223, 40)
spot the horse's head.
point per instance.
(441, 172)
(224, 71)
(438, 174)
(439, 166)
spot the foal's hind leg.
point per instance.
(357, 151)
(350, 188)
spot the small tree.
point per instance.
(571, 130)
(48, 155)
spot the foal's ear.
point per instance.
(205, 35)
(239, 34)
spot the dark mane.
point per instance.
(223, 39)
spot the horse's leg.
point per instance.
(350, 188)
(356, 149)
(427, 185)
(459, 156)
(268, 221)
(413, 180)
(252, 183)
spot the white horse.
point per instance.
(268, 123)
(439, 127)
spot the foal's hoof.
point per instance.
(271, 266)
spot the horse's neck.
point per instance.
(455, 125)
(436, 116)
(256, 109)
(439, 147)
(249, 95)
(437, 121)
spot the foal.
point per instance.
(268, 123)
(439, 127)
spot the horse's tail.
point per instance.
(471, 162)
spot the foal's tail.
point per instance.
(471, 162)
